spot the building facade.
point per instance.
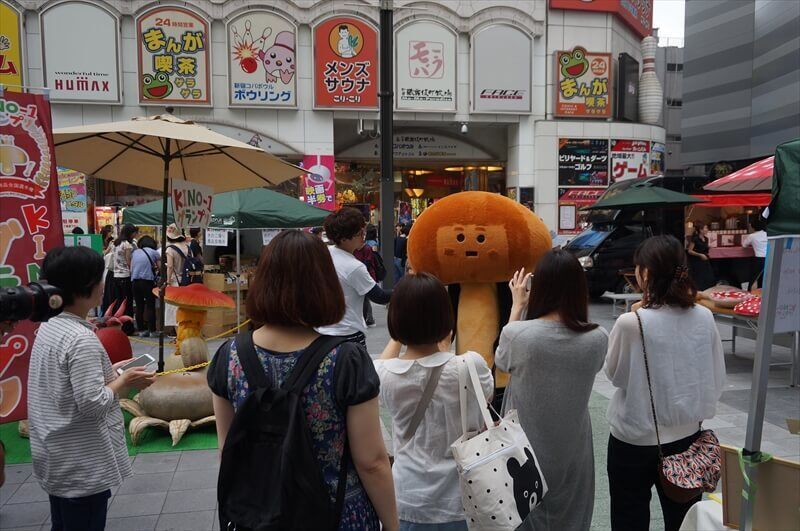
(669, 63)
(741, 81)
(482, 98)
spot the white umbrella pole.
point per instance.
(238, 279)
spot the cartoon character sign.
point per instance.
(477, 240)
(262, 69)
(583, 87)
(345, 64)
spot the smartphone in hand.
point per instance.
(140, 361)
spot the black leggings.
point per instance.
(145, 305)
(123, 291)
(632, 472)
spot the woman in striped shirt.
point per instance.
(76, 427)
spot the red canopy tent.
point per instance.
(757, 176)
(742, 199)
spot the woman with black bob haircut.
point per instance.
(421, 317)
(77, 433)
(346, 228)
(553, 358)
(686, 366)
(341, 400)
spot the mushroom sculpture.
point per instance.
(477, 239)
(180, 400)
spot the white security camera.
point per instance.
(464, 128)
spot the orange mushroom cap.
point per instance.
(196, 297)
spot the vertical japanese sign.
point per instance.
(192, 204)
(319, 186)
(583, 83)
(658, 163)
(173, 57)
(501, 70)
(103, 216)
(571, 219)
(345, 64)
(425, 67)
(80, 66)
(10, 46)
(30, 225)
(629, 159)
(72, 194)
(262, 70)
(582, 162)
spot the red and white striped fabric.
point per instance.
(757, 176)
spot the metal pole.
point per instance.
(163, 283)
(238, 279)
(387, 136)
(758, 392)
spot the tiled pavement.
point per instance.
(176, 491)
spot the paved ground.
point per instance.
(176, 491)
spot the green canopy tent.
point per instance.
(254, 208)
(641, 197)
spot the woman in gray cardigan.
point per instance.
(553, 358)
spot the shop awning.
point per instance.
(729, 200)
(757, 176)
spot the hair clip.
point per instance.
(681, 272)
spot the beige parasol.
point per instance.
(150, 151)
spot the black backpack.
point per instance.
(192, 268)
(269, 476)
(380, 267)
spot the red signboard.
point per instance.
(30, 225)
(446, 181)
(571, 219)
(638, 14)
(345, 64)
(319, 185)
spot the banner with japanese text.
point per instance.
(11, 70)
(262, 61)
(425, 67)
(658, 163)
(582, 162)
(501, 65)
(629, 159)
(192, 203)
(583, 84)
(173, 57)
(318, 185)
(30, 225)
(571, 219)
(81, 66)
(345, 64)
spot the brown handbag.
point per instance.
(686, 475)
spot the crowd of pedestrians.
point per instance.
(298, 410)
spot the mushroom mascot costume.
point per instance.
(477, 240)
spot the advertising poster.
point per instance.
(192, 203)
(658, 163)
(72, 190)
(582, 162)
(10, 47)
(319, 186)
(501, 70)
(81, 66)
(30, 225)
(629, 159)
(345, 64)
(104, 216)
(425, 67)
(262, 61)
(571, 219)
(72, 220)
(583, 83)
(216, 237)
(173, 57)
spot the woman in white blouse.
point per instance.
(425, 476)
(687, 371)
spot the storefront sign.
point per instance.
(173, 57)
(71, 220)
(426, 146)
(11, 67)
(571, 219)
(425, 67)
(583, 84)
(81, 66)
(448, 181)
(629, 159)
(30, 225)
(267, 235)
(319, 186)
(192, 203)
(72, 190)
(658, 164)
(217, 237)
(262, 70)
(501, 63)
(638, 14)
(345, 64)
(582, 162)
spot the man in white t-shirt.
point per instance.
(346, 228)
(758, 241)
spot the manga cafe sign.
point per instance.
(192, 204)
(345, 64)
(30, 225)
(583, 83)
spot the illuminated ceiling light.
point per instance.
(420, 172)
(454, 168)
(471, 168)
(494, 168)
(414, 192)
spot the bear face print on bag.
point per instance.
(528, 487)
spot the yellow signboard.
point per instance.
(10, 47)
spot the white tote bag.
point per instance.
(501, 480)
